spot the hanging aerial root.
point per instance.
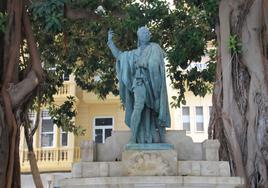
(35, 58)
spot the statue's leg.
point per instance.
(139, 100)
(148, 126)
(141, 133)
(153, 129)
(162, 133)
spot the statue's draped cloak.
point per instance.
(152, 61)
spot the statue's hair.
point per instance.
(144, 33)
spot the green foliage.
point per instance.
(199, 82)
(3, 18)
(50, 14)
(234, 44)
(191, 30)
(64, 115)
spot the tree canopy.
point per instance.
(72, 38)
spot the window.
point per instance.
(102, 129)
(32, 117)
(63, 138)
(47, 130)
(199, 119)
(186, 118)
(66, 77)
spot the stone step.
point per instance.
(153, 182)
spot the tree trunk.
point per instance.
(240, 99)
(34, 170)
(4, 148)
(14, 92)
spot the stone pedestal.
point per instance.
(178, 164)
(210, 150)
(88, 151)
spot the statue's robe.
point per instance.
(156, 110)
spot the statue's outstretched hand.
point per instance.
(111, 45)
(110, 35)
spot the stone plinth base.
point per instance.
(118, 169)
(154, 146)
(153, 182)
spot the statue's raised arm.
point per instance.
(113, 48)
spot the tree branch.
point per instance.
(31, 155)
(34, 55)
(79, 13)
(35, 76)
(19, 91)
(37, 116)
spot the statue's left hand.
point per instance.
(110, 35)
(111, 45)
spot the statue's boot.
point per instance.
(162, 134)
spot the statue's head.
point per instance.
(144, 34)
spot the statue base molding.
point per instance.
(153, 146)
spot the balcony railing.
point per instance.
(68, 88)
(64, 90)
(54, 159)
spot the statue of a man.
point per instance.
(142, 88)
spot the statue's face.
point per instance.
(144, 34)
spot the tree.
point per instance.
(239, 118)
(20, 84)
(15, 90)
(71, 38)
